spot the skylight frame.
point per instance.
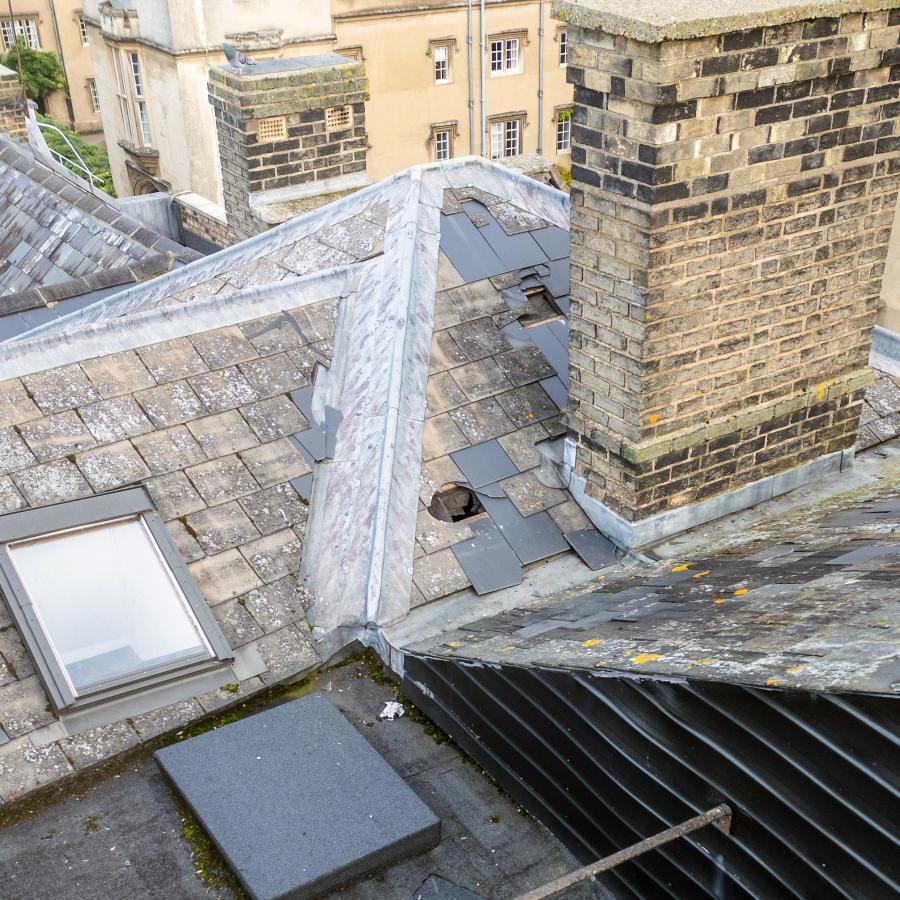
(43, 522)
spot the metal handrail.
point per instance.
(720, 816)
(78, 162)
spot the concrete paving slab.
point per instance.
(297, 801)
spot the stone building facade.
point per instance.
(202, 422)
(733, 195)
(12, 113)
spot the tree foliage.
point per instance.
(41, 70)
(94, 156)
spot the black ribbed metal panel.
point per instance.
(606, 760)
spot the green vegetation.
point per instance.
(41, 70)
(94, 157)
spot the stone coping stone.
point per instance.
(292, 64)
(297, 801)
(654, 21)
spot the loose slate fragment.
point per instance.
(594, 549)
(468, 252)
(514, 251)
(297, 801)
(531, 537)
(488, 561)
(484, 463)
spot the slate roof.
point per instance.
(63, 247)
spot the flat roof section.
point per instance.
(296, 801)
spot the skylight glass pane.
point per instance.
(108, 602)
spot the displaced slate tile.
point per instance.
(527, 404)
(480, 379)
(224, 576)
(529, 495)
(467, 251)
(55, 390)
(532, 538)
(275, 605)
(14, 454)
(112, 466)
(554, 241)
(222, 479)
(521, 447)
(115, 419)
(484, 463)
(172, 360)
(488, 561)
(274, 508)
(220, 391)
(252, 765)
(274, 555)
(51, 483)
(273, 375)
(224, 347)
(165, 451)
(274, 418)
(286, 652)
(443, 393)
(221, 527)
(478, 339)
(482, 420)
(170, 404)
(222, 434)
(439, 574)
(441, 436)
(515, 251)
(569, 516)
(275, 462)
(557, 391)
(15, 404)
(56, 436)
(594, 549)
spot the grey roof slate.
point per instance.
(59, 242)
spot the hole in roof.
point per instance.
(540, 307)
(455, 503)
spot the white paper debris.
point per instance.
(392, 710)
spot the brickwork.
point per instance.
(203, 423)
(731, 209)
(206, 226)
(309, 152)
(12, 115)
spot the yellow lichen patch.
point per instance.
(705, 661)
(719, 601)
(679, 568)
(647, 317)
(454, 643)
(645, 658)
(798, 668)
(592, 642)
(701, 574)
(653, 418)
(599, 665)
(740, 591)
(506, 649)
(771, 682)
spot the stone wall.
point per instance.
(311, 150)
(200, 222)
(731, 208)
(203, 423)
(12, 115)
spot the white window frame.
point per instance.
(564, 134)
(441, 56)
(93, 94)
(128, 84)
(43, 522)
(82, 30)
(505, 55)
(443, 144)
(505, 137)
(25, 26)
(563, 48)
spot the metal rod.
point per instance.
(482, 42)
(719, 815)
(540, 91)
(469, 62)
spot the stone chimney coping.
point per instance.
(291, 64)
(654, 21)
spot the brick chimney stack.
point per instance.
(733, 185)
(289, 130)
(12, 111)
